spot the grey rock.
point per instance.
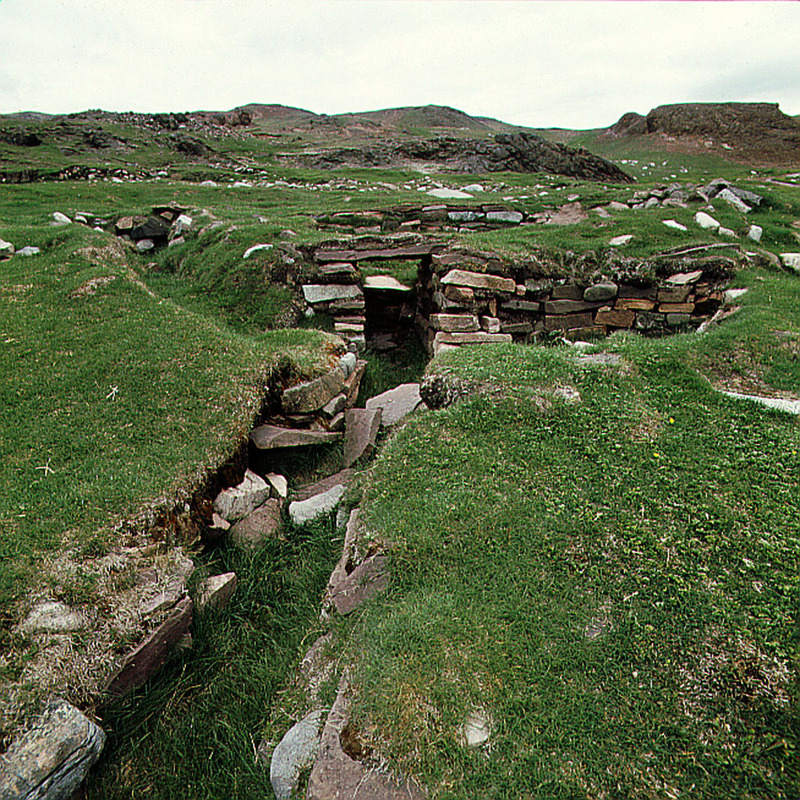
(385, 283)
(778, 403)
(684, 278)
(303, 511)
(449, 194)
(53, 617)
(732, 295)
(369, 578)
(478, 280)
(505, 217)
(279, 484)
(705, 220)
(454, 322)
(335, 406)
(143, 245)
(791, 261)
(6, 248)
(490, 324)
(50, 761)
(361, 431)
(528, 306)
(722, 231)
(342, 478)
(325, 293)
(176, 242)
(479, 337)
(600, 292)
(262, 523)
(751, 198)
(181, 225)
(216, 591)
(270, 437)
(294, 753)
(60, 219)
(620, 241)
(255, 248)
(755, 232)
(476, 730)
(208, 184)
(238, 501)
(348, 363)
(651, 202)
(464, 216)
(729, 197)
(28, 250)
(311, 396)
(396, 404)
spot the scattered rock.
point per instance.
(262, 523)
(208, 184)
(683, 278)
(303, 511)
(729, 197)
(269, 437)
(6, 248)
(342, 478)
(732, 295)
(148, 657)
(28, 250)
(255, 248)
(778, 403)
(143, 245)
(365, 581)
(396, 404)
(60, 219)
(279, 484)
(476, 730)
(755, 232)
(705, 220)
(671, 223)
(53, 617)
(361, 431)
(722, 231)
(325, 293)
(619, 241)
(568, 214)
(791, 261)
(600, 292)
(238, 501)
(306, 398)
(385, 283)
(51, 760)
(295, 752)
(216, 591)
(449, 194)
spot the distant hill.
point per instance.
(747, 131)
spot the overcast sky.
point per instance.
(569, 64)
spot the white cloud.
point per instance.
(575, 64)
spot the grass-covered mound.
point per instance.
(612, 582)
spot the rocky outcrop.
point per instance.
(508, 152)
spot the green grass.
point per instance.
(655, 512)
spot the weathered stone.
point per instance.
(705, 220)
(255, 248)
(347, 306)
(464, 216)
(51, 759)
(338, 269)
(634, 304)
(124, 225)
(684, 278)
(159, 596)
(325, 293)
(615, 205)
(295, 752)
(675, 319)
(238, 501)
(385, 283)
(335, 406)
(412, 251)
(336, 776)
(181, 225)
(396, 404)
(476, 730)
(671, 223)
(6, 248)
(151, 228)
(568, 307)
(477, 280)
(676, 308)
(729, 232)
(615, 318)
(148, 657)
(303, 511)
(791, 261)
(732, 295)
(28, 250)
(454, 322)
(216, 591)
(628, 291)
(461, 295)
(449, 194)
(311, 396)
(262, 523)
(516, 328)
(568, 214)
(341, 478)
(650, 320)
(60, 219)
(479, 337)
(269, 437)
(279, 484)
(361, 431)
(619, 241)
(490, 324)
(674, 294)
(567, 291)
(527, 306)
(53, 617)
(600, 292)
(755, 232)
(365, 581)
(568, 321)
(729, 197)
(176, 242)
(789, 406)
(505, 217)
(143, 245)
(353, 382)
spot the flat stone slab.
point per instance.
(568, 306)
(336, 776)
(319, 505)
(385, 283)
(705, 220)
(361, 427)
(342, 478)
(620, 241)
(454, 322)
(791, 261)
(479, 280)
(479, 337)
(684, 278)
(294, 753)
(789, 406)
(568, 214)
(365, 581)
(505, 217)
(325, 293)
(449, 194)
(410, 251)
(305, 398)
(396, 404)
(270, 437)
(52, 758)
(216, 591)
(148, 657)
(238, 501)
(260, 524)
